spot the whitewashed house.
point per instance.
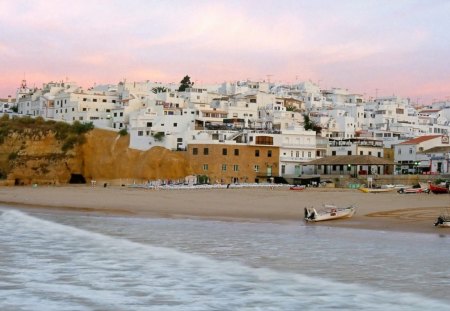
(410, 157)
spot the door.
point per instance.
(297, 170)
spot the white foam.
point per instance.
(56, 267)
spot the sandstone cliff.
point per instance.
(29, 158)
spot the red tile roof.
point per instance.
(419, 140)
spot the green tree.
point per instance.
(311, 125)
(159, 89)
(185, 83)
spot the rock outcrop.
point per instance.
(30, 158)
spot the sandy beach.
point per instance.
(382, 211)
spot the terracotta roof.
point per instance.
(440, 149)
(419, 140)
(352, 159)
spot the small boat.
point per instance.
(437, 189)
(443, 220)
(375, 190)
(415, 189)
(297, 187)
(329, 212)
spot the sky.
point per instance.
(370, 47)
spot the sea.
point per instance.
(56, 261)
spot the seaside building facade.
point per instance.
(253, 117)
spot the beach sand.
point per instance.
(381, 211)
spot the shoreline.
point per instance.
(383, 211)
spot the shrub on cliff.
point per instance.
(69, 134)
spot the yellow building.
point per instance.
(223, 163)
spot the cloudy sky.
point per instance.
(382, 47)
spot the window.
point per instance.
(333, 153)
(399, 151)
(84, 99)
(205, 167)
(113, 101)
(379, 154)
(256, 168)
(269, 153)
(84, 109)
(235, 167)
(205, 151)
(115, 114)
(104, 100)
(121, 114)
(149, 124)
(309, 154)
(224, 151)
(236, 152)
(224, 167)
(256, 153)
(94, 100)
(194, 151)
(140, 133)
(360, 153)
(175, 124)
(370, 153)
(349, 152)
(410, 151)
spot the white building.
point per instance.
(410, 157)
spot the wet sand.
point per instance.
(381, 211)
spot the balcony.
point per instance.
(295, 159)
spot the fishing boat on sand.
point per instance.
(328, 212)
(297, 188)
(375, 190)
(443, 220)
(419, 188)
(437, 189)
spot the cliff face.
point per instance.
(28, 159)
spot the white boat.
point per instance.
(414, 189)
(443, 220)
(329, 212)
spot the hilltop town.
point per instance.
(256, 131)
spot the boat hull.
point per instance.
(445, 224)
(375, 190)
(297, 188)
(412, 190)
(437, 189)
(311, 215)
